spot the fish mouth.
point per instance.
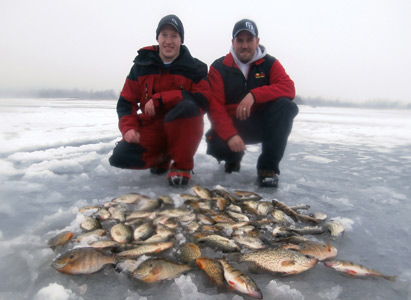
(58, 265)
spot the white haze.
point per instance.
(353, 164)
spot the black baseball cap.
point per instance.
(174, 21)
(247, 25)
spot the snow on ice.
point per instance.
(353, 164)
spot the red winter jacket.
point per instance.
(149, 78)
(267, 81)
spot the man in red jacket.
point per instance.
(251, 102)
(161, 107)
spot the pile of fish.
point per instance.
(244, 231)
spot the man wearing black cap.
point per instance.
(161, 107)
(251, 102)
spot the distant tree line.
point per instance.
(112, 95)
(61, 93)
(78, 94)
(381, 104)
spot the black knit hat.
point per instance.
(245, 24)
(174, 21)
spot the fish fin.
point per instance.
(391, 278)
(156, 270)
(328, 246)
(351, 273)
(288, 263)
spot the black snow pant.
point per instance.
(270, 124)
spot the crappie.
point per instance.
(240, 282)
(159, 269)
(318, 250)
(212, 268)
(82, 261)
(286, 262)
(202, 192)
(250, 242)
(355, 270)
(217, 241)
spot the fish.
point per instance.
(307, 230)
(321, 251)
(149, 204)
(250, 242)
(222, 203)
(225, 194)
(223, 218)
(88, 207)
(102, 214)
(121, 233)
(189, 252)
(175, 212)
(292, 213)
(264, 208)
(104, 244)
(143, 231)
(140, 215)
(97, 232)
(282, 261)
(146, 249)
(319, 216)
(217, 241)
(238, 216)
(130, 198)
(159, 269)
(60, 240)
(239, 281)
(335, 228)
(202, 192)
(213, 269)
(166, 200)
(117, 213)
(90, 224)
(246, 195)
(82, 261)
(355, 270)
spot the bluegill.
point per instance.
(159, 269)
(82, 261)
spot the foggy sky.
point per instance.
(354, 50)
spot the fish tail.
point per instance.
(390, 278)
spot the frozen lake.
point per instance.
(353, 164)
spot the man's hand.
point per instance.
(236, 143)
(149, 108)
(132, 136)
(244, 107)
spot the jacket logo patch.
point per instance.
(259, 75)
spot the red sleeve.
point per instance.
(218, 114)
(280, 85)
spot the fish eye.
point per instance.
(71, 256)
(150, 265)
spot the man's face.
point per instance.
(245, 45)
(169, 41)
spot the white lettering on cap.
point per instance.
(174, 21)
(250, 26)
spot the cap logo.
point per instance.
(250, 26)
(174, 21)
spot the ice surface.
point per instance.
(352, 164)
